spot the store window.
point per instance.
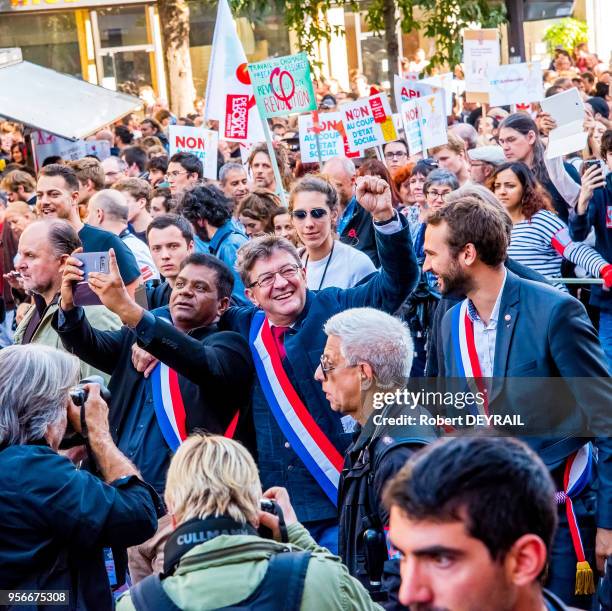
(49, 40)
(265, 35)
(122, 26)
(125, 50)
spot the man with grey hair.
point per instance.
(354, 225)
(108, 209)
(56, 519)
(235, 184)
(363, 371)
(114, 169)
(44, 247)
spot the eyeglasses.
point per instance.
(437, 194)
(397, 155)
(315, 213)
(175, 174)
(326, 367)
(266, 280)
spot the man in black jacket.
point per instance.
(203, 378)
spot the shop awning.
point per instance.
(55, 102)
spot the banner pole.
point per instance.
(280, 191)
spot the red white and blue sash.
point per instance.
(464, 347)
(309, 442)
(577, 475)
(170, 407)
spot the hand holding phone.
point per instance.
(90, 262)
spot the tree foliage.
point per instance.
(567, 33)
(441, 20)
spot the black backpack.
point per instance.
(286, 573)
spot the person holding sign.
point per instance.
(313, 205)
(519, 137)
(302, 448)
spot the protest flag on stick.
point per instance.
(229, 93)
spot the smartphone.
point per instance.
(92, 262)
(589, 163)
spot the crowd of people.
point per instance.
(201, 392)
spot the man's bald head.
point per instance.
(340, 171)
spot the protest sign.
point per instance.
(567, 109)
(516, 84)
(283, 86)
(368, 122)
(229, 93)
(481, 56)
(99, 148)
(406, 89)
(433, 120)
(199, 142)
(46, 145)
(412, 126)
(446, 82)
(331, 136)
(425, 122)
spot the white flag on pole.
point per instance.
(229, 93)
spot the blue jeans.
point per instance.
(605, 335)
(325, 533)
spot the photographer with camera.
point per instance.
(217, 557)
(56, 519)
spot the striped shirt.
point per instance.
(542, 243)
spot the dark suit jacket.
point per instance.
(215, 368)
(545, 334)
(304, 344)
(359, 233)
(448, 301)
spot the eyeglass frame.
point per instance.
(396, 155)
(436, 195)
(296, 268)
(176, 174)
(325, 370)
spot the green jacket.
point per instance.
(99, 316)
(218, 581)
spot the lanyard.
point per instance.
(331, 254)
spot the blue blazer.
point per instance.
(543, 333)
(279, 465)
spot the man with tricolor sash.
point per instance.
(532, 351)
(300, 440)
(202, 380)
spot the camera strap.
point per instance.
(196, 531)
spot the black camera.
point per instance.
(79, 393)
(273, 508)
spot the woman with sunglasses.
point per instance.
(313, 205)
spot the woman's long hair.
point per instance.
(523, 124)
(535, 197)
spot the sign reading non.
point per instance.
(331, 136)
(199, 142)
(368, 122)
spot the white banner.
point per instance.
(368, 122)
(229, 93)
(198, 141)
